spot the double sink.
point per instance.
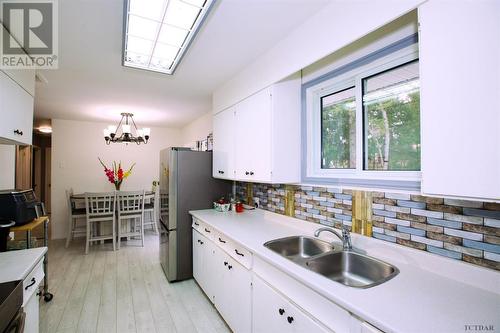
(349, 268)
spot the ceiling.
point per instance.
(92, 85)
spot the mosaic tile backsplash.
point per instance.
(458, 229)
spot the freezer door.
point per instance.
(168, 252)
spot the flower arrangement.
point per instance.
(116, 174)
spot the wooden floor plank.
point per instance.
(121, 291)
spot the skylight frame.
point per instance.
(200, 19)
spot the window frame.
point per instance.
(312, 136)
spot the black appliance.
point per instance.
(186, 183)
(12, 315)
(4, 233)
(19, 206)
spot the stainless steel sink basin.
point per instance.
(352, 269)
(298, 248)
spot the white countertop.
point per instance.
(16, 265)
(430, 294)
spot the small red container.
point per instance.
(239, 207)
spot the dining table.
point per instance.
(81, 196)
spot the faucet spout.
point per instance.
(345, 237)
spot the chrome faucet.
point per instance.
(345, 237)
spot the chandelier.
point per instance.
(111, 133)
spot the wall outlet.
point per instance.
(256, 202)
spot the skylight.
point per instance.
(158, 32)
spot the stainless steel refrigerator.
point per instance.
(186, 183)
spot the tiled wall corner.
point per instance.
(459, 229)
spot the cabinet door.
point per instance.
(223, 150)
(253, 137)
(272, 312)
(233, 298)
(459, 102)
(16, 106)
(203, 258)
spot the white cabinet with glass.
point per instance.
(258, 139)
(460, 61)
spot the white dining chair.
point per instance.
(150, 209)
(74, 214)
(130, 211)
(100, 209)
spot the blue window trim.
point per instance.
(386, 184)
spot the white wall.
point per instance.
(7, 166)
(334, 27)
(75, 148)
(198, 129)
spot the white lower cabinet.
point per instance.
(273, 312)
(227, 283)
(233, 298)
(254, 296)
(31, 299)
(204, 263)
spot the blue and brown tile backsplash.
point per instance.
(459, 229)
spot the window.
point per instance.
(391, 109)
(363, 122)
(338, 130)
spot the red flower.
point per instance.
(120, 174)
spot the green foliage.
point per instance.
(404, 132)
(337, 141)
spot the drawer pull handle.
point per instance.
(206, 230)
(281, 311)
(221, 172)
(247, 173)
(238, 253)
(33, 281)
(289, 319)
(199, 241)
(225, 263)
(229, 267)
(251, 173)
(196, 223)
(221, 240)
(18, 132)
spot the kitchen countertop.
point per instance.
(430, 294)
(16, 265)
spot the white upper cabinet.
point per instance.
(253, 159)
(16, 108)
(223, 150)
(258, 139)
(460, 104)
(17, 88)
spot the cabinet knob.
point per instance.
(251, 173)
(247, 173)
(225, 263)
(221, 172)
(18, 132)
(229, 267)
(281, 311)
(201, 242)
(289, 319)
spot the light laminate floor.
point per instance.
(121, 291)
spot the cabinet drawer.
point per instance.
(197, 225)
(240, 254)
(32, 281)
